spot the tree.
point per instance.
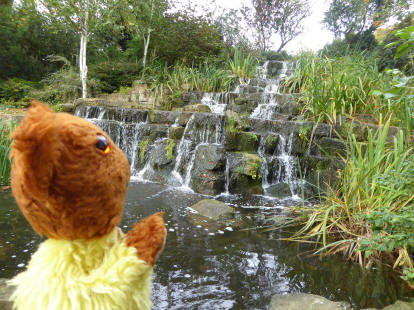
(288, 23)
(82, 17)
(345, 17)
(183, 36)
(27, 38)
(143, 16)
(282, 17)
(260, 18)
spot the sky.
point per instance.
(314, 36)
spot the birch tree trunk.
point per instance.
(83, 69)
(147, 39)
(146, 44)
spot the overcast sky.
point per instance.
(314, 36)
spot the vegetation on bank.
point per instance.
(6, 127)
(368, 215)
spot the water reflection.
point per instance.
(203, 269)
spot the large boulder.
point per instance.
(207, 175)
(305, 301)
(212, 209)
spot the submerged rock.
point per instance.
(305, 301)
(212, 209)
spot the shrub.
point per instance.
(111, 75)
(16, 91)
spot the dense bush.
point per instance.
(16, 91)
(113, 75)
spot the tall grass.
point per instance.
(243, 65)
(6, 127)
(171, 82)
(330, 87)
(377, 179)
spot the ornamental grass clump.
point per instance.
(170, 83)
(6, 127)
(242, 65)
(330, 87)
(370, 215)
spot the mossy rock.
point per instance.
(245, 173)
(176, 133)
(197, 108)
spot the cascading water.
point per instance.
(125, 129)
(201, 129)
(218, 101)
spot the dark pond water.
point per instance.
(206, 267)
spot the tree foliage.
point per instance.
(281, 17)
(345, 17)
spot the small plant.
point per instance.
(255, 170)
(142, 148)
(254, 137)
(169, 149)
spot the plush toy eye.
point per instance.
(102, 144)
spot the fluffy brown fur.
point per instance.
(69, 189)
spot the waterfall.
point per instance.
(124, 126)
(268, 107)
(202, 128)
(279, 170)
(218, 101)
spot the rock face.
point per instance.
(305, 301)
(212, 209)
(245, 173)
(207, 175)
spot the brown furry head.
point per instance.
(66, 185)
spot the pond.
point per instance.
(206, 267)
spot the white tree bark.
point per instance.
(83, 69)
(146, 44)
(147, 39)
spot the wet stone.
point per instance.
(305, 301)
(197, 108)
(176, 133)
(212, 209)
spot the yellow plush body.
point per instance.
(95, 274)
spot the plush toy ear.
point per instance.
(32, 152)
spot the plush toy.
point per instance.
(70, 181)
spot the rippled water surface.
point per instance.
(210, 267)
